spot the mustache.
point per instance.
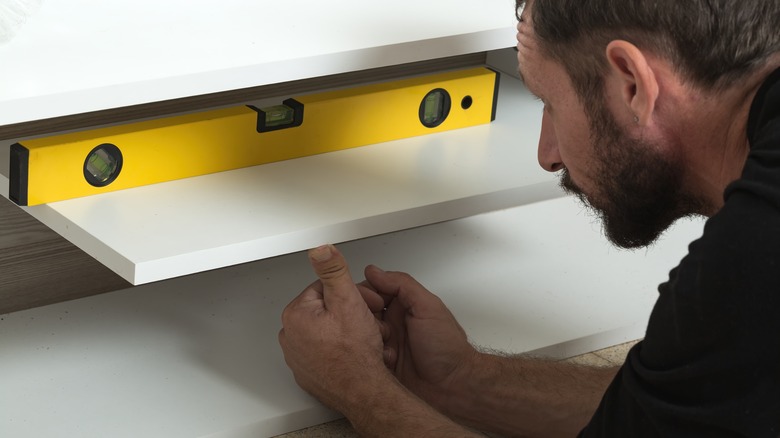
(571, 188)
(568, 185)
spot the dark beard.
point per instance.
(639, 191)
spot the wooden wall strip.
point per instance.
(38, 267)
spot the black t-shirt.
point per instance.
(709, 365)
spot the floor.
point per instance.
(341, 428)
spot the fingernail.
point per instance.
(321, 253)
(377, 268)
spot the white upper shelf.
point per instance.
(80, 56)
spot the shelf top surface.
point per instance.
(80, 56)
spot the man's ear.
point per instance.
(635, 77)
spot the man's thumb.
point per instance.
(331, 268)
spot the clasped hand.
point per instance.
(346, 341)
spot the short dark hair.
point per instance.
(712, 43)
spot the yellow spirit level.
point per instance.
(106, 159)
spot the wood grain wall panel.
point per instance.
(38, 267)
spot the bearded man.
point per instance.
(653, 110)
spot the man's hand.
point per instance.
(330, 337)
(425, 346)
(509, 395)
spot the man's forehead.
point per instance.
(524, 78)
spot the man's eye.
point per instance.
(520, 6)
(545, 106)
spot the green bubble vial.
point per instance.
(278, 115)
(433, 108)
(101, 165)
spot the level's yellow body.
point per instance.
(52, 169)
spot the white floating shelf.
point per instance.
(199, 357)
(182, 227)
(80, 56)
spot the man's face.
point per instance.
(638, 191)
(630, 183)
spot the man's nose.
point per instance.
(548, 154)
